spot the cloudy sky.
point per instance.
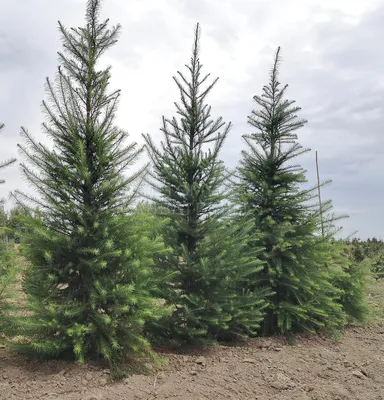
(332, 60)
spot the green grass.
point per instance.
(376, 301)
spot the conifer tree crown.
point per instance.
(208, 263)
(91, 257)
(298, 262)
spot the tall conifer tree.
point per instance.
(209, 265)
(91, 258)
(299, 263)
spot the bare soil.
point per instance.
(316, 368)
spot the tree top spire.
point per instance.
(196, 42)
(93, 10)
(276, 64)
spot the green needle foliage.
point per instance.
(91, 257)
(13, 224)
(371, 250)
(8, 273)
(352, 277)
(206, 294)
(298, 263)
(7, 270)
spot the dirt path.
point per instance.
(315, 369)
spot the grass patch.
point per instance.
(376, 302)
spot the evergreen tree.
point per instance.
(355, 250)
(298, 261)
(14, 217)
(7, 270)
(377, 264)
(209, 267)
(374, 250)
(3, 221)
(351, 277)
(91, 257)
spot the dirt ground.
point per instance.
(316, 369)
(265, 369)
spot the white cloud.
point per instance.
(332, 61)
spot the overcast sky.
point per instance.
(333, 62)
